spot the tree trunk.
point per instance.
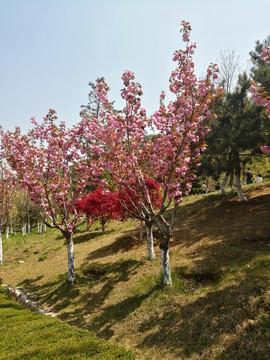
(165, 232)
(237, 178)
(243, 176)
(239, 189)
(71, 262)
(103, 227)
(150, 240)
(165, 264)
(1, 248)
(29, 228)
(223, 184)
(231, 179)
(141, 231)
(7, 232)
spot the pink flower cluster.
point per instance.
(265, 55)
(7, 186)
(56, 164)
(260, 96)
(171, 156)
(52, 167)
(265, 149)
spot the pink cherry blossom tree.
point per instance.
(171, 156)
(54, 171)
(261, 96)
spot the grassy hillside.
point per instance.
(218, 307)
(25, 335)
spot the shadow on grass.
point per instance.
(92, 286)
(86, 236)
(222, 219)
(221, 237)
(103, 323)
(123, 243)
(59, 292)
(215, 234)
(83, 236)
(229, 312)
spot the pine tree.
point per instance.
(235, 134)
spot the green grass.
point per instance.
(25, 335)
(218, 307)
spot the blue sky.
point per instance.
(51, 49)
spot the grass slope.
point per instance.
(25, 335)
(218, 307)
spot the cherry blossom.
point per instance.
(170, 155)
(261, 96)
(55, 172)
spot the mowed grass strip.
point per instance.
(26, 335)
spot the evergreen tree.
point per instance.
(260, 70)
(235, 135)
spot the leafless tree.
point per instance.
(229, 69)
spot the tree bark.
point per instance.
(141, 231)
(223, 183)
(165, 264)
(231, 179)
(237, 178)
(150, 240)
(103, 227)
(165, 232)
(71, 261)
(7, 232)
(239, 189)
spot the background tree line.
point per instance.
(241, 126)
